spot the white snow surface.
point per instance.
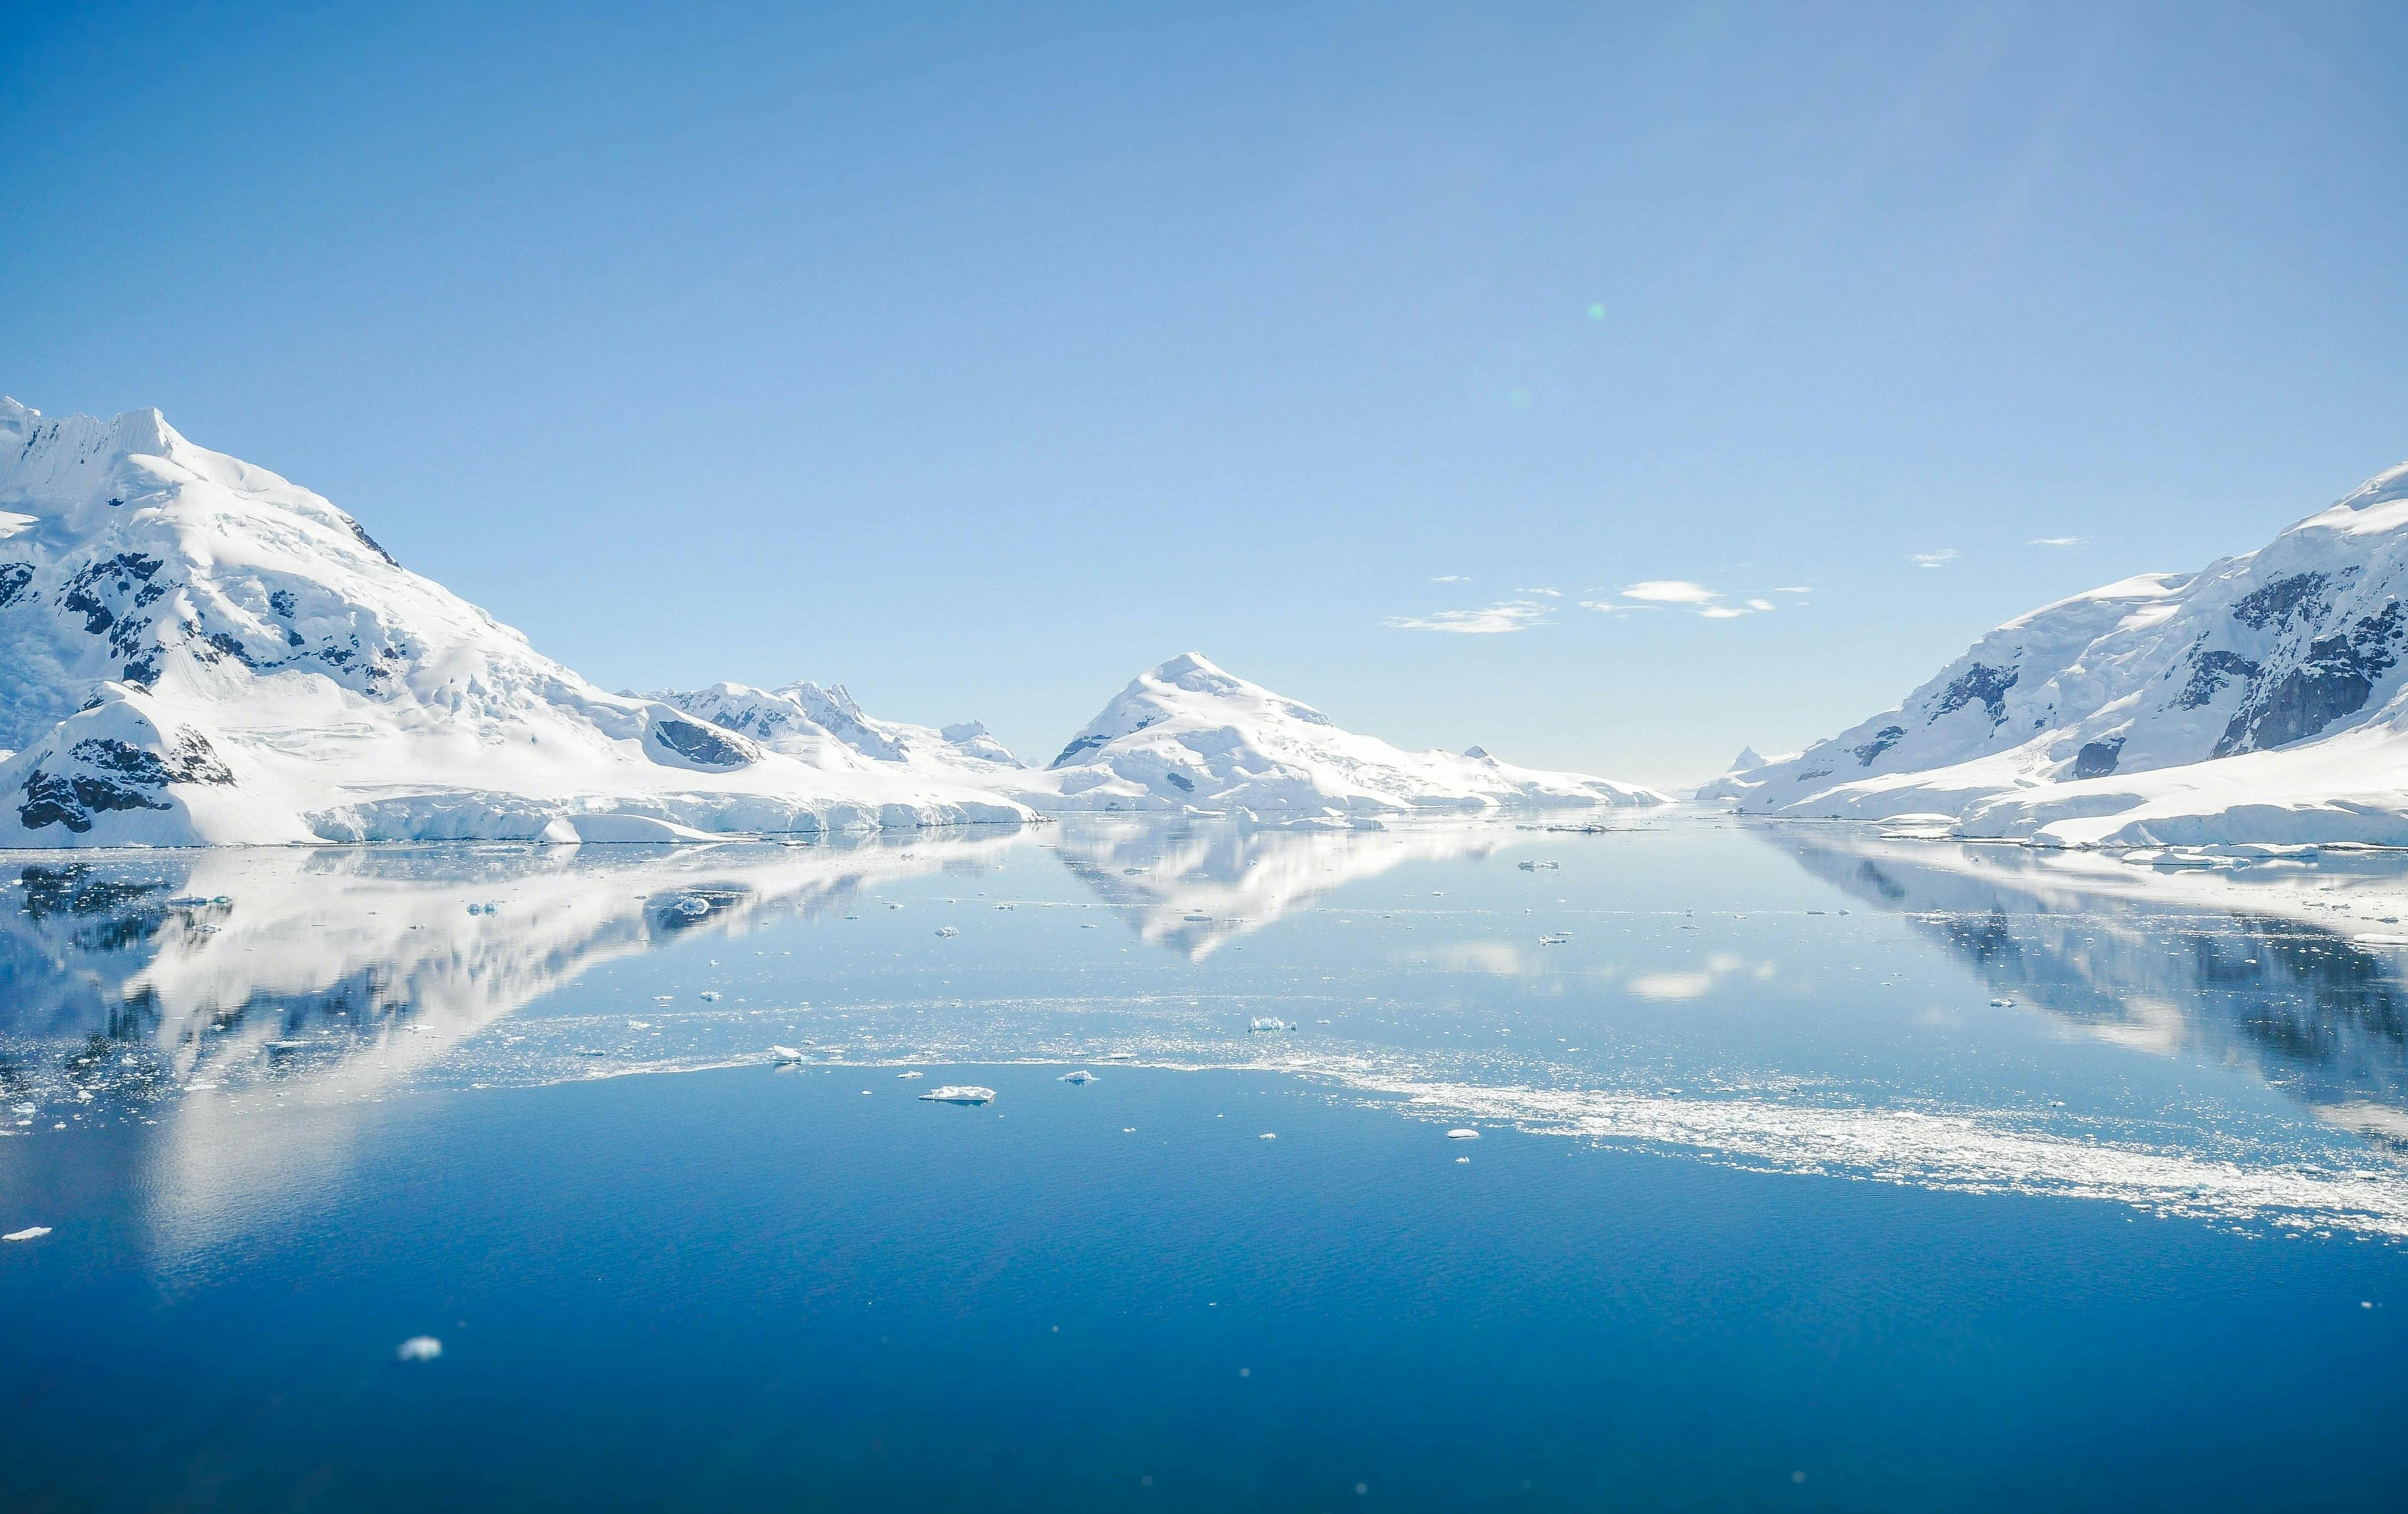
(1189, 739)
(201, 652)
(808, 721)
(2261, 699)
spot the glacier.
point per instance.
(2263, 699)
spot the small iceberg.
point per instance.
(692, 906)
(419, 1349)
(909, 1074)
(1267, 1022)
(1463, 1134)
(959, 1093)
(1082, 1076)
(1556, 939)
(708, 996)
(1268, 1137)
(947, 930)
(785, 1053)
(29, 1233)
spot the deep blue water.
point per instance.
(2146, 1255)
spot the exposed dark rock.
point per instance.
(284, 603)
(700, 744)
(14, 577)
(1987, 684)
(51, 801)
(120, 574)
(2280, 599)
(1884, 738)
(2333, 680)
(2210, 672)
(2097, 759)
(231, 647)
(1179, 780)
(370, 542)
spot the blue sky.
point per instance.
(981, 358)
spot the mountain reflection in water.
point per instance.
(2222, 963)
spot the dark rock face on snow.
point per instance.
(2296, 643)
(702, 745)
(102, 774)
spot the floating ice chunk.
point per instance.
(639, 1024)
(959, 1093)
(1268, 1136)
(1080, 1076)
(29, 1233)
(419, 1349)
(891, 905)
(692, 906)
(1267, 1022)
(909, 1074)
(1461, 1161)
(2002, 1004)
(710, 995)
(786, 1053)
(1463, 1134)
(947, 930)
(665, 998)
(1555, 938)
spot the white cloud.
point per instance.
(1451, 577)
(1661, 594)
(1932, 560)
(1552, 594)
(1670, 592)
(1611, 607)
(1792, 589)
(2058, 541)
(1495, 619)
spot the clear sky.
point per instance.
(981, 357)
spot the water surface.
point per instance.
(1814, 1169)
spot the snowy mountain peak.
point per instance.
(198, 652)
(2273, 684)
(1189, 735)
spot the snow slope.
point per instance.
(201, 652)
(2263, 698)
(806, 721)
(1188, 738)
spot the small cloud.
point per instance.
(1451, 577)
(1792, 589)
(1670, 592)
(1759, 604)
(1722, 612)
(1932, 560)
(2058, 541)
(1495, 619)
(1552, 594)
(1609, 606)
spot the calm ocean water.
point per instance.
(1814, 1170)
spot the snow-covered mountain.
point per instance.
(806, 721)
(1189, 737)
(2262, 698)
(198, 652)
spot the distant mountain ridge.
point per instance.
(2263, 697)
(201, 652)
(1188, 736)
